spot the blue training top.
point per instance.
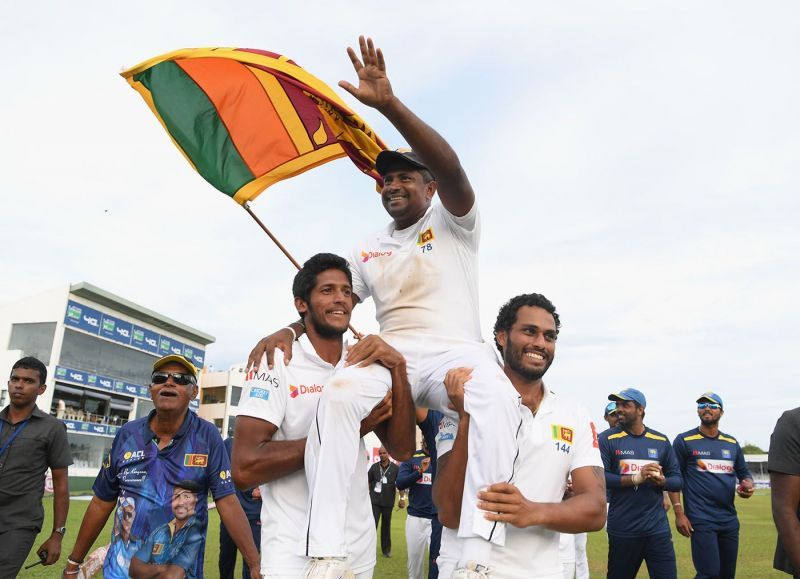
(162, 494)
(250, 505)
(710, 468)
(420, 485)
(637, 511)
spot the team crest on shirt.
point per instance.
(652, 453)
(157, 548)
(562, 433)
(726, 453)
(426, 236)
(197, 460)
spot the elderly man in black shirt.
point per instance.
(382, 479)
(30, 442)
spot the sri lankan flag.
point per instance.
(247, 118)
(562, 433)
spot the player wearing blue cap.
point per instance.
(639, 464)
(710, 462)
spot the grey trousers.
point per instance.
(15, 545)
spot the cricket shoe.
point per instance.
(328, 568)
(472, 570)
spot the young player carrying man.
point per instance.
(276, 415)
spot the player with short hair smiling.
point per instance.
(711, 462)
(276, 428)
(639, 465)
(556, 440)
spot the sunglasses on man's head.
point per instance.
(177, 377)
(711, 405)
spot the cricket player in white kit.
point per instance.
(556, 440)
(422, 272)
(275, 415)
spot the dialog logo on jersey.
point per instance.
(295, 391)
(367, 255)
(562, 433)
(632, 465)
(196, 460)
(425, 237)
(715, 466)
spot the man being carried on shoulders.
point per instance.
(422, 272)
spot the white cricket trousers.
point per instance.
(418, 539)
(332, 444)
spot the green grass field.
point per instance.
(756, 544)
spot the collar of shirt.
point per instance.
(37, 412)
(187, 423)
(311, 354)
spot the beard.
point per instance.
(324, 329)
(512, 356)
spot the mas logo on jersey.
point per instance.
(254, 374)
(426, 236)
(447, 429)
(367, 255)
(260, 393)
(652, 453)
(198, 460)
(696, 452)
(619, 452)
(562, 433)
(295, 391)
(726, 453)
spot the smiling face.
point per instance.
(170, 396)
(529, 347)
(329, 305)
(183, 503)
(24, 386)
(405, 194)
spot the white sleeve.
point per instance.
(586, 449)
(466, 228)
(359, 287)
(265, 392)
(446, 435)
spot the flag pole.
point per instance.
(285, 252)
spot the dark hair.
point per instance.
(427, 176)
(189, 485)
(31, 363)
(508, 313)
(306, 278)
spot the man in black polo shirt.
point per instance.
(30, 442)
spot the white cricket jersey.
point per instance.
(287, 397)
(424, 279)
(558, 440)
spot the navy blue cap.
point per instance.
(610, 407)
(631, 394)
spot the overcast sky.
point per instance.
(635, 162)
